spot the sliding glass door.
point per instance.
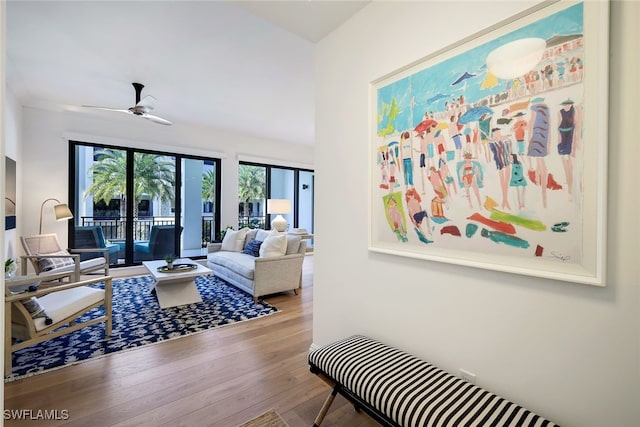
(142, 205)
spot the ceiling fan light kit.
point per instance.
(141, 108)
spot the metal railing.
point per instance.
(251, 221)
(115, 228)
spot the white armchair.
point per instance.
(47, 256)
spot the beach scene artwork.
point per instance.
(480, 153)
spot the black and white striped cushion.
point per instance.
(412, 392)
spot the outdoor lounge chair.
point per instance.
(92, 236)
(160, 244)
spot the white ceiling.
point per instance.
(241, 66)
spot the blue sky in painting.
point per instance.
(437, 80)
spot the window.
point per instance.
(171, 199)
(258, 182)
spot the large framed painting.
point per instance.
(492, 153)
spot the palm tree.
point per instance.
(209, 186)
(251, 185)
(153, 175)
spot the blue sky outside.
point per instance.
(435, 81)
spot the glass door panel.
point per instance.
(282, 186)
(154, 196)
(305, 203)
(99, 206)
(199, 188)
(252, 192)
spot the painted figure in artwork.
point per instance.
(396, 219)
(392, 159)
(456, 135)
(446, 176)
(519, 129)
(568, 120)
(427, 140)
(406, 152)
(384, 167)
(500, 146)
(470, 177)
(438, 184)
(417, 214)
(484, 125)
(518, 180)
(539, 145)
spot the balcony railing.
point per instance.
(251, 221)
(115, 228)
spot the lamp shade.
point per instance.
(62, 212)
(278, 206)
(516, 58)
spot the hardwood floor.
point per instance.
(222, 377)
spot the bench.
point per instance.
(398, 389)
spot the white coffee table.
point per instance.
(176, 288)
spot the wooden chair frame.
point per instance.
(15, 312)
(53, 245)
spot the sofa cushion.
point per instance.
(274, 245)
(263, 234)
(251, 235)
(238, 262)
(293, 244)
(252, 248)
(234, 240)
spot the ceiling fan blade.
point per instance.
(157, 119)
(141, 108)
(148, 103)
(108, 109)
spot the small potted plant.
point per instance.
(10, 268)
(169, 259)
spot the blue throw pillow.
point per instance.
(253, 248)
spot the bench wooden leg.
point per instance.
(326, 406)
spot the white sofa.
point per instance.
(277, 268)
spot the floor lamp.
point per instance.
(279, 207)
(61, 211)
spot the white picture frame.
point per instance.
(538, 230)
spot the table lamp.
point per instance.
(279, 207)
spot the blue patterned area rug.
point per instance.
(138, 320)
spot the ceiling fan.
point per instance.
(142, 108)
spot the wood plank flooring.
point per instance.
(222, 377)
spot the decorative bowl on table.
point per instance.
(177, 268)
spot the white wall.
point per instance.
(567, 351)
(45, 159)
